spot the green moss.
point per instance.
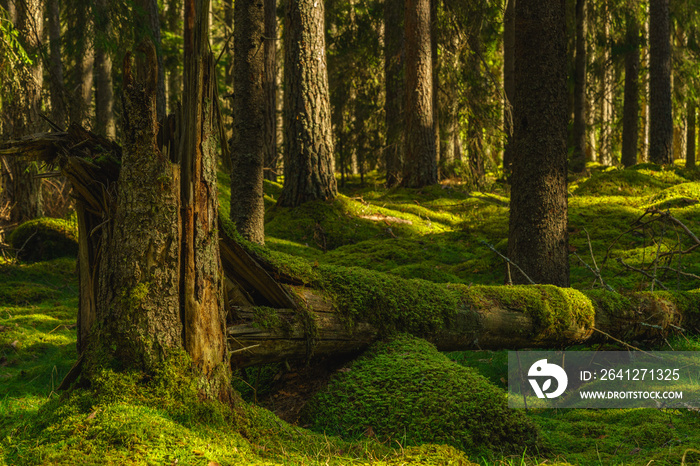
(677, 196)
(45, 239)
(266, 317)
(405, 391)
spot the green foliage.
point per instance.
(44, 239)
(405, 391)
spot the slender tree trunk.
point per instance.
(395, 93)
(420, 165)
(434, 31)
(147, 25)
(605, 96)
(508, 82)
(270, 88)
(578, 158)
(57, 88)
(83, 70)
(660, 105)
(174, 21)
(308, 160)
(104, 101)
(538, 239)
(690, 137)
(24, 189)
(449, 110)
(248, 148)
(630, 117)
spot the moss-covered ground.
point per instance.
(436, 234)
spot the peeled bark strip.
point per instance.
(308, 160)
(201, 284)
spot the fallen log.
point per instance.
(339, 317)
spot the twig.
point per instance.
(625, 344)
(244, 349)
(508, 260)
(595, 272)
(643, 272)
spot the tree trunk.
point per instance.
(138, 300)
(147, 26)
(691, 132)
(488, 320)
(508, 83)
(201, 281)
(83, 70)
(605, 93)
(420, 164)
(57, 88)
(308, 160)
(24, 190)
(434, 31)
(104, 100)
(270, 88)
(538, 239)
(660, 105)
(578, 158)
(395, 93)
(630, 117)
(248, 148)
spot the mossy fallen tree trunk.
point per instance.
(282, 307)
(344, 309)
(489, 317)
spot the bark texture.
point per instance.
(248, 147)
(578, 158)
(630, 112)
(202, 282)
(308, 156)
(420, 164)
(395, 91)
(104, 92)
(660, 105)
(138, 302)
(538, 239)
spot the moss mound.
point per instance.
(404, 390)
(45, 239)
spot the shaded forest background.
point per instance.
(379, 162)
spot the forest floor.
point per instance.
(441, 234)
